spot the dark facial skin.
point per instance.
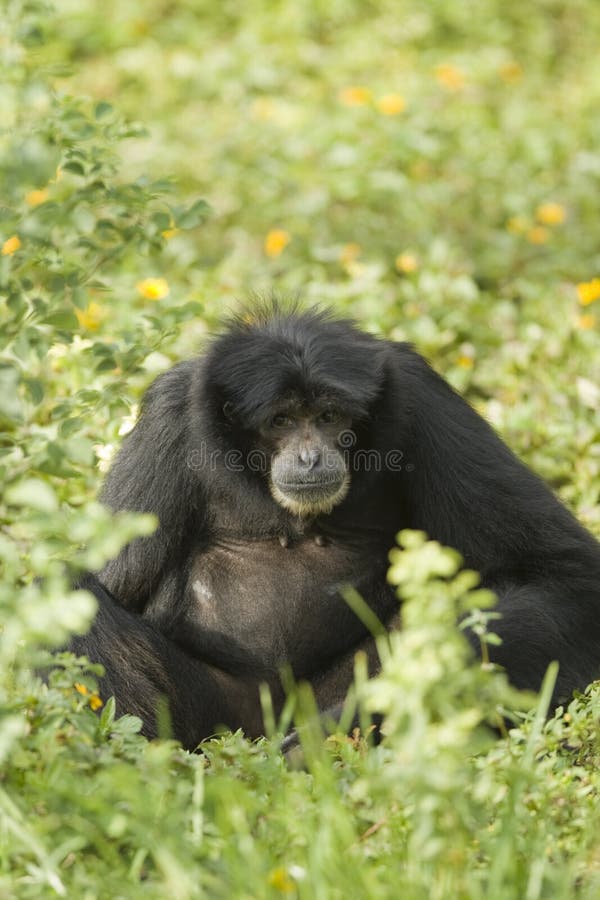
(309, 473)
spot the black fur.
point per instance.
(148, 674)
(231, 586)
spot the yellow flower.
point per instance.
(349, 253)
(420, 169)
(11, 245)
(90, 317)
(262, 109)
(355, 269)
(511, 72)
(391, 104)
(450, 77)
(538, 235)
(465, 362)
(34, 198)
(355, 96)
(585, 322)
(516, 224)
(281, 881)
(551, 214)
(94, 699)
(153, 288)
(276, 241)
(588, 291)
(170, 233)
(406, 263)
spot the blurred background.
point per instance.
(432, 169)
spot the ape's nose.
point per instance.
(309, 457)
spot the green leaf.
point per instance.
(10, 405)
(89, 396)
(79, 450)
(74, 166)
(70, 426)
(197, 213)
(79, 297)
(64, 320)
(128, 725)
(102, 109)
(33, 493)
(35, 389)
(107, 716)
(107, 365)
(162, 221)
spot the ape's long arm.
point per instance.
(466, 489)
(154, 472)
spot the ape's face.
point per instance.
(309, 469)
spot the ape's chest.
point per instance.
(283, 603)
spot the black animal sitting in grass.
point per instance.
(281, 464)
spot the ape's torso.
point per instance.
(272, 601)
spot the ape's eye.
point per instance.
(281, 421)
(329, 417)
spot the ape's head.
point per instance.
(288, 389)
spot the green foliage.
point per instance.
(431, 169)
(68, 227)
(440, 810)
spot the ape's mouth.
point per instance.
(322, 485)
(310, 497)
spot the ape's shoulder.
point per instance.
(170, 390)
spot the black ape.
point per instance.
(281, 465)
